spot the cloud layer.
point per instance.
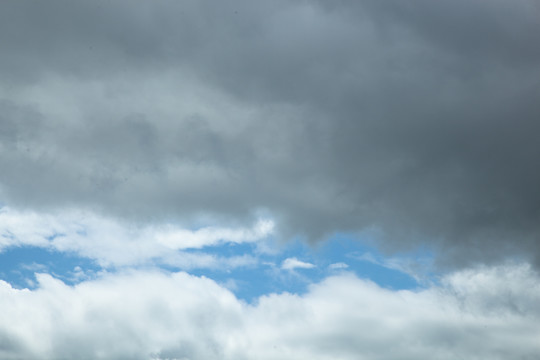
(418, 118)
(487, 313)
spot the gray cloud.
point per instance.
(417, 118)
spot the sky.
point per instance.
(288, 179)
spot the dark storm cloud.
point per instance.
(415, 117)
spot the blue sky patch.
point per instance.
(19, 264)
(289, 267)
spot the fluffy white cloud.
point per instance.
(115, 243)
(486, 313)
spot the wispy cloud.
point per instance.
(418, 266)
(338, 266)
(117, 243)
(293, 263)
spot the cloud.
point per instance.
(417, 266)
(483, 313)
(209, 236)
(338, 266)
(293, 263)
(116, 243)
(173, 127)
(418, 118)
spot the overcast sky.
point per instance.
(153, 138)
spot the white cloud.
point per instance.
(114, 243)
(338, 266)
(485, 313)
(293, 263)
(184, 239)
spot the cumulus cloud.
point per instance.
(485, 313)
(418, 118)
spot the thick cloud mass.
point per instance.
(487, 313)
(418, 118)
